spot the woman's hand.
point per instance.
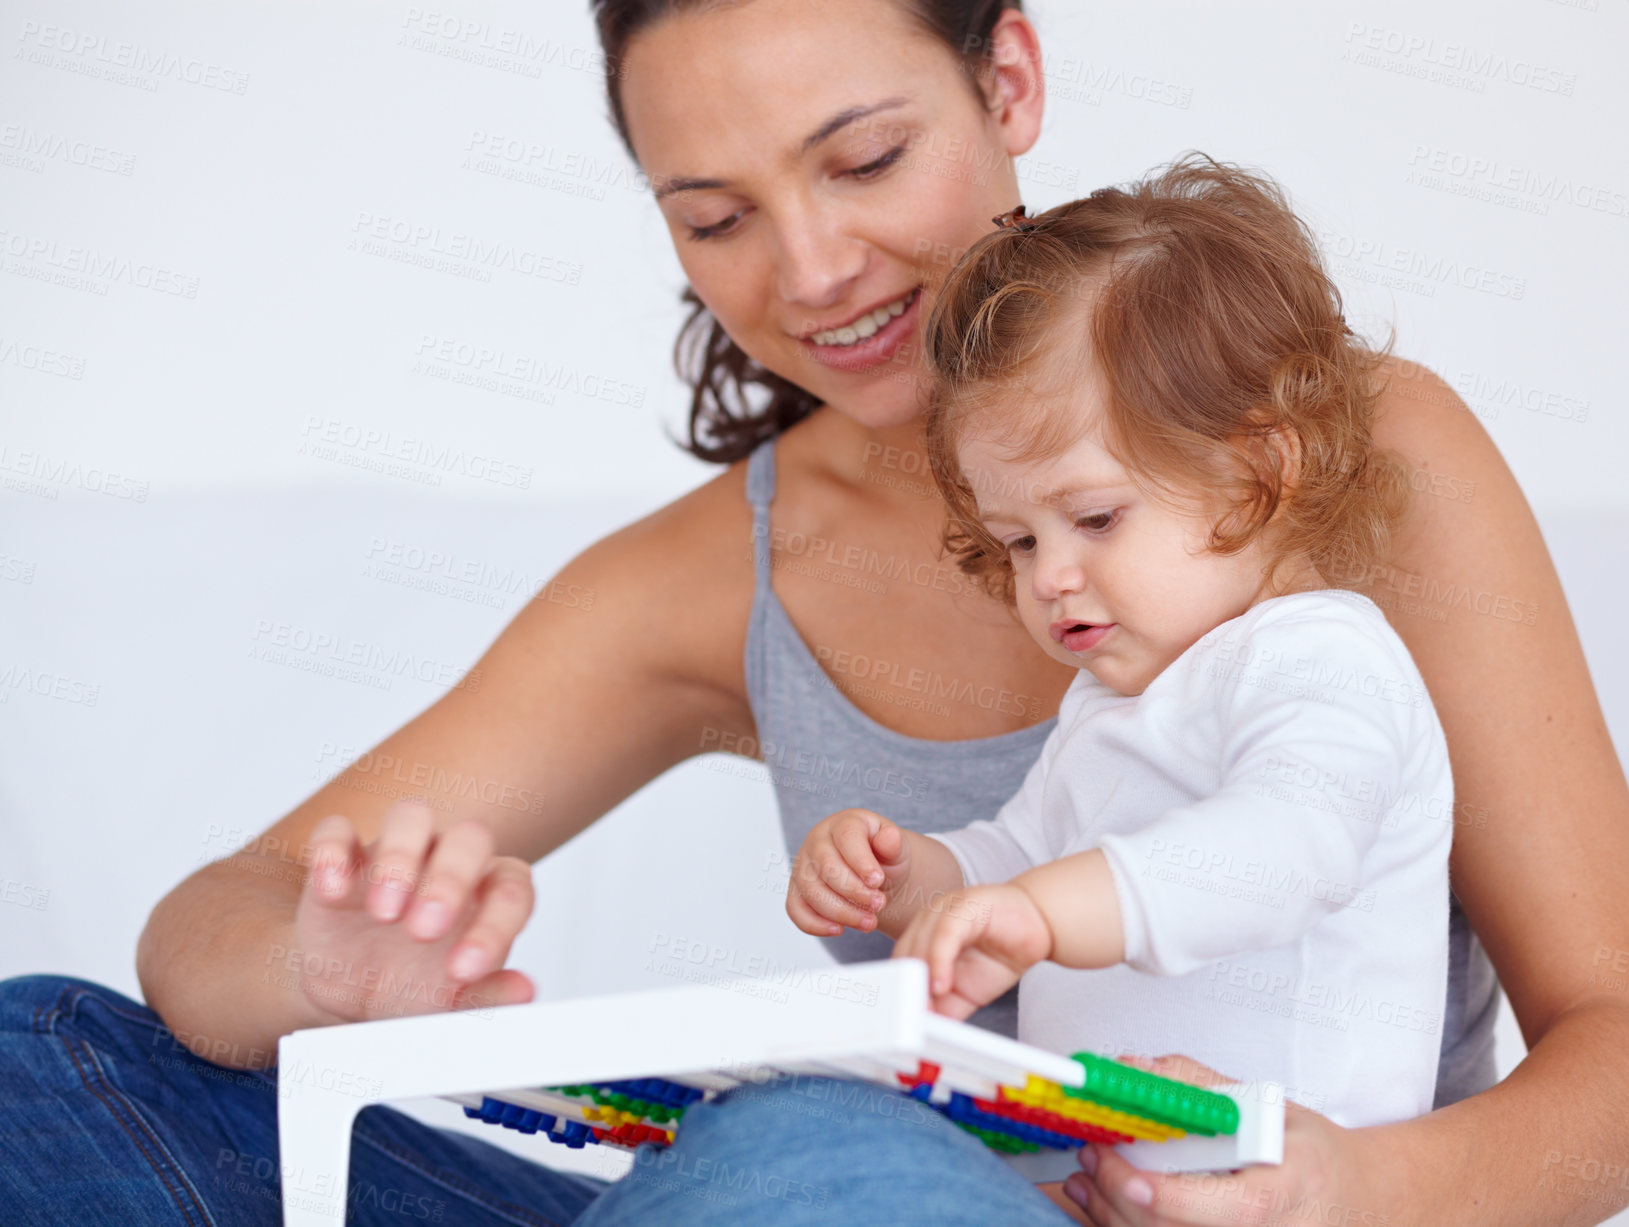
(1315, 1184)
(413, 923)
(844, 872)
(976, 944)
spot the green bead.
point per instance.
(1164, 1100)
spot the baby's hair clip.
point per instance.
(1015, 219)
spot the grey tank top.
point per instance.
(824, 754)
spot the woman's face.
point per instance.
(820, 164)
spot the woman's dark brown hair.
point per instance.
(736, 403)
(1218, 340)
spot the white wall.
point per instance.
(360, 117)
(159, 499)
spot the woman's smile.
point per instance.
(868, 339)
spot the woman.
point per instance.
(819, 165)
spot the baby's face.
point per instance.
(1107, 578)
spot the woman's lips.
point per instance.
(876, 349)
(1083, 640)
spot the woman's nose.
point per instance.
(819, 262)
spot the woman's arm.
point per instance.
(629, 663)
(1541, 838)
(1540, 857)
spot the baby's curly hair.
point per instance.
(1225, 364)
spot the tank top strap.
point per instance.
(760, 493)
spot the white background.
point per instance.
(160, 506)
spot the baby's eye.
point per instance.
(1020, 545)
(1098, 521)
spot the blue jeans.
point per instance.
(106, 1118)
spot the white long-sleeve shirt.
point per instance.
(1276, 809)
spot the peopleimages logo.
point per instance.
(31, 145)
(370, 447)
(752, 967)
(1457, 63)
(100, 266)
(103, 55)
(287, 642)
(1344, 1003)
(779, 757)
(475, 361)
(377, 235)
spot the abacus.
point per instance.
(620, 1070)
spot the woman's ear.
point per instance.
(1013, 83)
(1285, 444)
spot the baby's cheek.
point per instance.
(1034, 620)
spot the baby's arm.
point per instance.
(980, 941)
(1251, 866)
(858, 869)
(1332, 765)
(1076, 897)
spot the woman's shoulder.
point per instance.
(1419, 415)
(673, 588)
(696, 537)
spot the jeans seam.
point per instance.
(175, 1181)
(512, 1213)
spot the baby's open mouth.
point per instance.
(1080, 636)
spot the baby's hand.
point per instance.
(977, 943)
(843, 871)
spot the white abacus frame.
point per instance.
(863, 1020)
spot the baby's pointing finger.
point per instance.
(944, 947)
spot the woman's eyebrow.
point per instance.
(833, 125)
(843, 119)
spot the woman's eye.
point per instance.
(872, 169)
(717, 228)
(869, 171)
